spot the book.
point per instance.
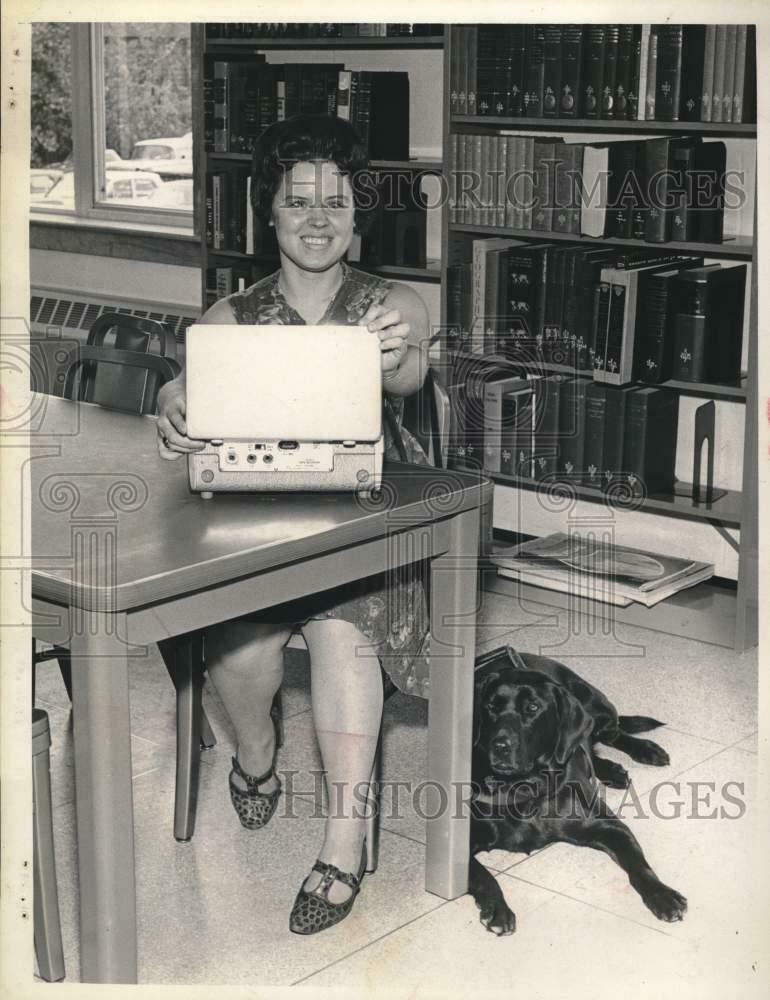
(551, 311)
(494, 429)
(624, 75)
(481, 329)
(653, 352)
(624, 190)
(572, 426)
(527, 269)
(600, 326)
(644, 65)
(548, 152)
(692, 72)
(516, 61)
(739, 78)
(632, 110)
(729, 74)
(668, 77)
(552, 67)
(545, 425)
(516, 432)
(567, 199)
(615, 401)
(458, 306)
(750, 76)
(660, 185)
(470, 38)
(593, 72)
(709, 51)
(708, 324)
(571, 66)
(685, 210)
(652, 76)
(708, 180)
(595, 181)
(593, 448)
(649, 443)
(612, 38)
(534, 70)
(720, 58)
(221, 88)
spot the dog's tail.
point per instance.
(637, 723)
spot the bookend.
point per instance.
(704, 431)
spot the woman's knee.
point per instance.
(247, 642)
(338, 638)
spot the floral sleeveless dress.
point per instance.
(390, 608)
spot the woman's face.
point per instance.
(313, 215)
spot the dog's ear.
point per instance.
(483, 685)
(573, 723)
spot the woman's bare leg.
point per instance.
(346, 693)
(245, 663)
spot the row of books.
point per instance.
(659, 72)
(599, 568)
(671, 188)
(243, 95)
(552, 427)
(284, 29)
(620, 317)
(224, 279)
(392, 236)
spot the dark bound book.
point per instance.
(708, 324)
(553, 303)
(526, 269)
(546, 425)
(593, 71)
(660, 186)
(516, 440)
(623, 187)
(548, 154)
(693, 57)
(389, 129)
(684, 216)
(552, 59)
(571, 66)
(534, 70)
(653, 352)
(614, 433)
(610, 71)
(668, 80)
(593, 455)
(708, 180)
(567, 201)
(649, 443)
(572, 427)
(624, 75)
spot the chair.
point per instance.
(134, 388)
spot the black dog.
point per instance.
(535, 770)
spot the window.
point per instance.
(112, 122)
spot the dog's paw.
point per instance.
(666, 903)
(650, 753)
(610, 773)
(497, 916)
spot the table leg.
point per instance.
(103, 800)
(454, 577)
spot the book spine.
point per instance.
(455, 278)
(624, 76)
(610, 71)
(750, 76)
(221, 105)
(478, 178)
(477, 292)
(652, 76)
(471, 43)
(343, 95)
(729, 77)
(552, 60)
(454, 143)
(614, 428)
(534, 71)
(512, 210)
(209, 197)
(709, 51)
(462, 70)
(611, 370)
(218, 197)
(546, 426)
(571, 65)
(720, 58)
(693, 49)
(740, 72)
(668, 80)
(487, 165)
(569, 313)
(208, 105)
(554, 294)
(593, 459)
(469, 189)
(593, 76)
(689, 348)
(224, 281)
(515, 67)
(544, 186)
(635, 442)
(516, 457)
(649, 443)
(501, 177)
(657, 221)
(652, 361)
(710, 167)
(491, 301)
(524, 166)
(684, 214)
(632, 110)
(572, 428)
(601, 328)
(455, 41)
(644, 65)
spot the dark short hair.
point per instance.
(301, 139)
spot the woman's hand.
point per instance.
(393, 334)
(171, 425)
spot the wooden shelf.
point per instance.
(430, 166)
(706, 612)
(711, 390)
(746, 130)
(739, 248)
(360, 42)
(725, 510)
(430, 273)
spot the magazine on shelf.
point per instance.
(603, 571)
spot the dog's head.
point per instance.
(524, 722)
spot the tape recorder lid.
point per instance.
(307, 383)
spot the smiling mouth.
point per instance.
(319, 242)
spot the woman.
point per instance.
(303, 185)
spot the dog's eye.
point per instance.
(531, 708)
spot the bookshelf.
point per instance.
(363, 50)
(716, 611)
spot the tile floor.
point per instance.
(215, 910)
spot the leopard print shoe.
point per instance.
(254, 808)
(312, 912)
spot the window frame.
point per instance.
(89, 143)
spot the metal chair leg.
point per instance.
(373, 811)
(47, 926)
